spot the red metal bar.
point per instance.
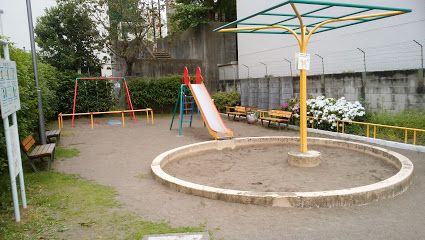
(198, 77)
(130, 104)
(186, 77)
(75, 101)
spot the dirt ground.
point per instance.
(265, 169)
(121, 158)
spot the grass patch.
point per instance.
(410, 119)
(62, 152)
(64, 206)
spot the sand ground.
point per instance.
(121, 158)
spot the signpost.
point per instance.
(10, 104)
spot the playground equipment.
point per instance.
(127, 93)
(272, 21)
(201, 100)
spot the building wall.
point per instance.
(391, 91)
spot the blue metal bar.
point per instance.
(293, 15)
(351, 24)
(350, 5)
(286, 25)
(251, 16)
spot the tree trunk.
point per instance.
(129, 68)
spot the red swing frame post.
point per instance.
(127, 93)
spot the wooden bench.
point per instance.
(38, 151)
(238, 111)
(277, 116)
(56, 134)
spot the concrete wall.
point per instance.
(392, 91)
(202, 44)
(155, 68)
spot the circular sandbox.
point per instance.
(257, 166)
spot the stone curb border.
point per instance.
(387, 188)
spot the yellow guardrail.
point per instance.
(149, 116)
(340, 126)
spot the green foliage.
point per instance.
(410, 118)
(68, 37)
(223, 99)
(28, 115)
(192, 13)
(188, 16)
(159, 94)
(60, 205)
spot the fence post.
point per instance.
(364, 75)
(421, 87)
(322, 79)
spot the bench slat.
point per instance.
(42, 150)
(28, 142)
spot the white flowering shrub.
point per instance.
(327, 111)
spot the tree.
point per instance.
(68, 37)
(125, 25)
(192, 13)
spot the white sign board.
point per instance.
(9, 91)
(303, 61)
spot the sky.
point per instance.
(15, 22)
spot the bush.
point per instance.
(223, 99)
(158, 94)
(28, 115)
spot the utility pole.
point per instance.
(41, 129)
(364, 58)
(159, 19)
(153, 21)
(267, 74)
(247, 68)
(290, 65)
(1, 23)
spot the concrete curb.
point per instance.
(387, 188)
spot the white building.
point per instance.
(388, 43)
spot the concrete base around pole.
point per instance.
(307, 159)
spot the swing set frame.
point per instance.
(127, 94)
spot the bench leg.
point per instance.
(32, 165)
(278, 124)
(234, 117)
(287, 125)
(269, 123)
(228, 116)
(262, 122)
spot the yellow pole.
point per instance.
(122, 119)
(405, 135)
(414, 137)
(59, 121)
(152, 115)
(303, 98)
(147, 116)
(91, 120)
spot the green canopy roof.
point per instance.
(313, 13)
